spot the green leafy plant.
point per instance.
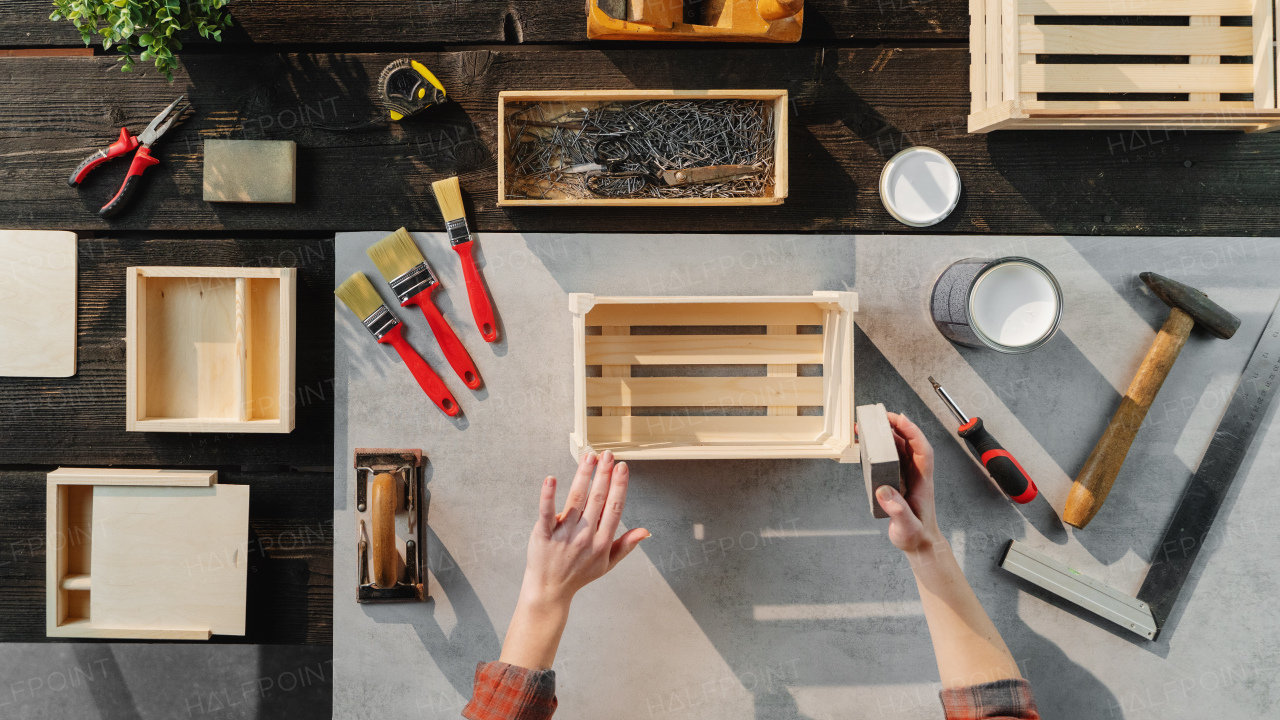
(152, 25)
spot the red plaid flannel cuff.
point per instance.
(1000, 700)
(507, 692)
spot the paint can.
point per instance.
(1011, 304)
(920, 187)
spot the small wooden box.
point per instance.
(210, 349)
(1028, 75)
(777, 193)
(660, 396)
(145, 554)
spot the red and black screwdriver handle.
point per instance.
(457, 355)
(126, 144)
(427, 378)
(1004, 468)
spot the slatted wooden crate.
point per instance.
(714, 377)
(1157, 64)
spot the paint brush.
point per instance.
(402, 264)
(357, 293)
(449, 195)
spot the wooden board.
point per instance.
(170, 558)
(37, 303)
(880, 464)
(80, 420)
(480, 22)
(852, 108)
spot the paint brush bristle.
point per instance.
(357, 293)
(395, 254)
(449, 195)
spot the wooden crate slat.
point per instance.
(684, 429)
(703, 349)
(704, 391)
(1135, 40)
(1137, 78)
(978, 55)
(685, 314)
(995, 59)
(1264, 65)
(1146, 107)
(1135, 7)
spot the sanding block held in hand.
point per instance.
(880, 463)
(386, 559)
(250, 171)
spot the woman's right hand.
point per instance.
(913, 526)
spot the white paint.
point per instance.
(920, 187)
(836, 611)
(699, 531)
(1014, 304)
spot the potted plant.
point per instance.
(147, 27)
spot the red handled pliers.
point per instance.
(141, 160)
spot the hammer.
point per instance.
(1188, 307)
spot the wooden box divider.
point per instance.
(510, 100)
(210, 349)
(1028, 74)
(714, 377)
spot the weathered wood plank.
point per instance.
(80, 420)
(26, 22)
(290, 592)
(852, 109)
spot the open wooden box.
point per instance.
(145, 554)
(511, 101)
(714, 377)
(1073, 64)
(210, 349)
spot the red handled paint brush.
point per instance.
(449, 195)
(357, 293)
(411, 279)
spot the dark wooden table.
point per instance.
(870, 78)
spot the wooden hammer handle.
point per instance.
(772, 10)
(1100, 470)
(386, 558)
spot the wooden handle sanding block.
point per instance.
(880, 464)
(250, 171)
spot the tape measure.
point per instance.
(406, 88)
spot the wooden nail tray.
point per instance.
(714, 377)
(210, 349)
(553, 102)
(145, 554)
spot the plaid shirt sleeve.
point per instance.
(507, 692)
(1000, 700)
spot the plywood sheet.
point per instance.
(170, 558)
(37, 303)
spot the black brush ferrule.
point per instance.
(458, 231)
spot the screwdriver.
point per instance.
(1002, 466)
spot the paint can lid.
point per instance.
(920, 186)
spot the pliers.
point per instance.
(141, 160)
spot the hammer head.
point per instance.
(1207, 313)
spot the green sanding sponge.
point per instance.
(253, 171)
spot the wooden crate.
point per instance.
(636, 333)
(509, 99)
(210, 349)
(145, 554)
(1226, 62)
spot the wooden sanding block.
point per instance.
(880, 465)
(250, 171)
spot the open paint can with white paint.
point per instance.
(920, 187)
(1011, 305)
